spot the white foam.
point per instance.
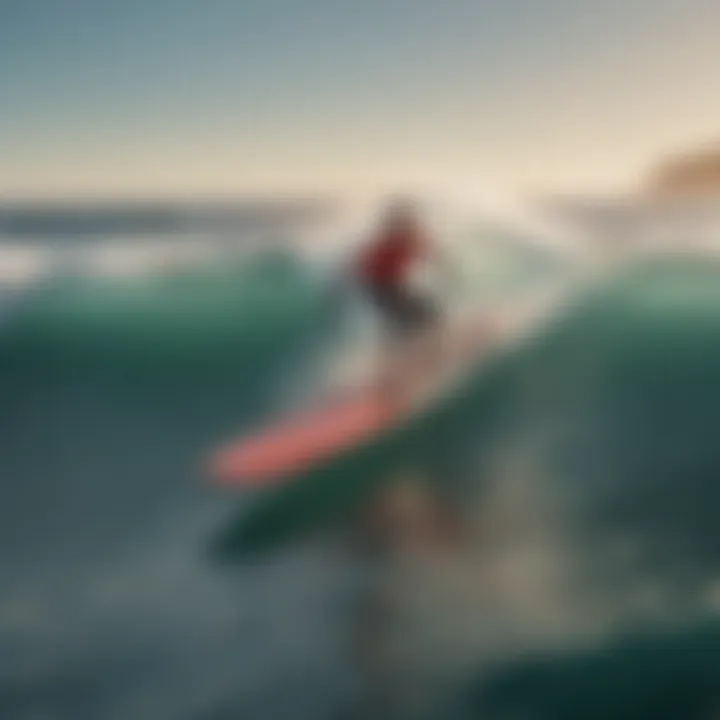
(21, 265)
(127, 258)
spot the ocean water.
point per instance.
(583, 468)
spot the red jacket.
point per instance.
(389, 258)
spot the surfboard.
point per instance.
(291, 446)
(334, 484)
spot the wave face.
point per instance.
(586, 463)
(586, 469)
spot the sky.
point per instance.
(206, 97)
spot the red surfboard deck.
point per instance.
(303, 441)
(287, 448)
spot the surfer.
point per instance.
(385, 269)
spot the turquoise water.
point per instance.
(590, 455)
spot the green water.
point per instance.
(113, 392)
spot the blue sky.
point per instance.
(148, 97)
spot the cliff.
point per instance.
(695, 174)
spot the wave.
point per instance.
(583, 464)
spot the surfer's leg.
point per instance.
(378, 298)
(424, 331)
(392, 373)
(410, 343)
(432, 331)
